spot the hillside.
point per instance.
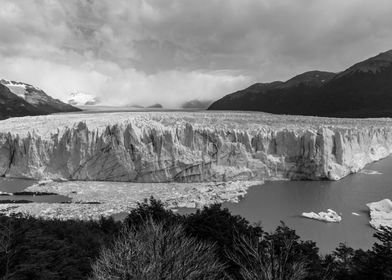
(37, 97)
(13, 106)
(20, 99)
(363, 90)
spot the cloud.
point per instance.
(167, 51)
(118, 87)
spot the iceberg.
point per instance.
(370, 172)
(380, 213)
(330, 216)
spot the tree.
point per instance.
(382, 252)
(5, 248)
(151, 209)
(219, 226)
(277, 256)
(157, 252)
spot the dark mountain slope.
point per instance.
(363, 90)
(38, 98)
(276, 97)
(13, 106)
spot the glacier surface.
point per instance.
(189, 146)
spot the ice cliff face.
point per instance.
(189, 147)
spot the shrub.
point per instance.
(155, 252)
(54, 249)
(218, 225)
(274, 257)
(5, 247)
(151, 209)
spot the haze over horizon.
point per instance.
(149, 51)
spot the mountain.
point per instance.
(37, 97)
(155, 106)
(363, 90)
(81, 99)
(196, 104)
(12, 105)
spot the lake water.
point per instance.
(286, 200)
(17, 185)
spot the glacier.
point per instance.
(152, 147)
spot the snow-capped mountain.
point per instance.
(21, 94)
(81, 99)
(12, 105)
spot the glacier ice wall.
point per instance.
(146, 149)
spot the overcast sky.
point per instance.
(169, 51)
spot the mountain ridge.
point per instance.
(22, 99)
(362, 90)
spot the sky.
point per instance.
(170, 51)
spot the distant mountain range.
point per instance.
(19, 99)
(196, 104)
(155, 106)
(363, 90)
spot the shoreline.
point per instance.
(92, 199)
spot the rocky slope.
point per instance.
(13, 106)
(189, 147)
(363, 90)
(37, 98)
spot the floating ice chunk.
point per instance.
(329, 216)
(5, 193)
(380, 213)
(44, 182)
(370, 172)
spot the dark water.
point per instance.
(18, 185)
(286, 200)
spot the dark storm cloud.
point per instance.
(170, 51)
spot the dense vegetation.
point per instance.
(155, 243)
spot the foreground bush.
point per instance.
(363, 265)
(277, 256)
(51, 249)
(153, 252)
